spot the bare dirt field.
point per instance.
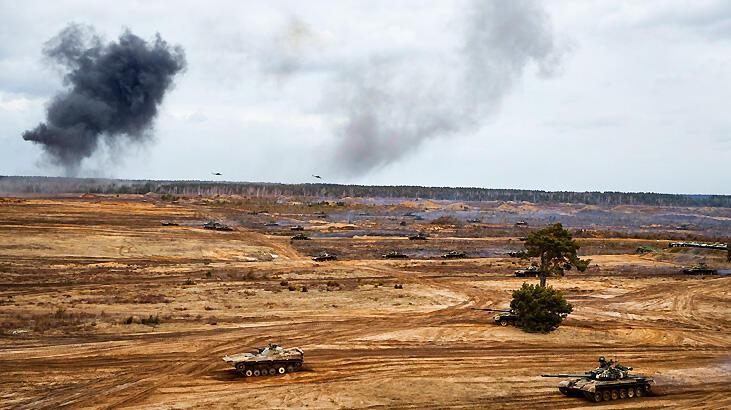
(103, 307)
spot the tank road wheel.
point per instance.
(640, 391)
(281, 370)
(240, 367)
(615, 394)
(606, 396)
(622, 393)
(256, 372)
(563, 391)
(272, 371)
(290, 368)
(631, 392)
(249, 373)
(597, 396)
(503, 322)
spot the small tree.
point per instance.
(556, 249)
(539, 309)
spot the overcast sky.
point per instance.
(556, 95)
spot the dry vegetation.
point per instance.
(101, 306)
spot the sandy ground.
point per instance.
(73, 271)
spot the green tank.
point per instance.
(267, 361)
(609, 381)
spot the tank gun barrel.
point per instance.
(567, 375)
(493, 310)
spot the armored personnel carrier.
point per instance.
(609, 381)
(700, 269)
(418, 237)
(528, 272)
(395, 255)
(300, 237)
(267, 361)
(324, 257)
(454, 255)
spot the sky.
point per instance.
(557, 95)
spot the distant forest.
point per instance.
(55, 185)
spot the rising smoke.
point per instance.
(114, 90)
(390, 106)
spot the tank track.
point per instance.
(268, 368)
(624, 392)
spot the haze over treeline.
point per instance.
(56, 185)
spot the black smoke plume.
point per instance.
(114, 90)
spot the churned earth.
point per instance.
(103, 307)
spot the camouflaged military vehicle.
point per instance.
(297, 228)
(217, 226)
(454, 255)
(324, 257)
(700, 269)
(267, 361)
(528, 272)
(418, 237)
(300, 237)
(394, 255)
(504, 317)
(609, 381)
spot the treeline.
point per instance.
(53, 185)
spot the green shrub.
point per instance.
(539, 309)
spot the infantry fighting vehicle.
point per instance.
(504, 317)
(418, 237)
(700, 269)
(454, 255)
(269, 360)
(395, 255)
(300, 237)
(324, 257)
(528, 272)
(217, 226)
(609, 381)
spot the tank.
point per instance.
(418, 237)
(267, 361)
(700, 269)
(395, 255)
(297, 228)
(530, 271)
(324, 257)
(454, 255)
(504, 317)
(300, 237)
(609, 381)
(216, 226)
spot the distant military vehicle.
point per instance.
(300, 237)
(522, 238)
(700, 269)
(607, 382)
(521, 223)
(271, 224)
(297, 228)
(395, 255)
(168, 223)
(475, 220)
(528, 272)
(418, 237)
(269, 360)
(454, 255)
(324, 257)
(217, 226)
(504, 317)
